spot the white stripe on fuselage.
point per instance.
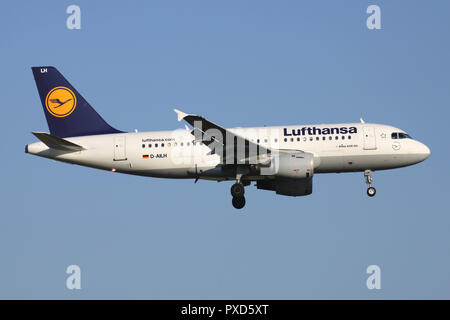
(333, 152)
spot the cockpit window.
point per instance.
(400, 135)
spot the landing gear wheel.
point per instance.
(371, 191)
(238, 202)
(237, 190)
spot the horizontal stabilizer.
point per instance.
(55, 142)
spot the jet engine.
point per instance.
(291, 174)
(293, 165)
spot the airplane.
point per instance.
(282, 159)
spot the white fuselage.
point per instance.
(174, 154)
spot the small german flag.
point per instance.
(145, 156)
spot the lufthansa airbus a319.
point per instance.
(282, 159)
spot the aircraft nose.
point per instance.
(423, 151)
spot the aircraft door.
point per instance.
(119, 148)
(370, 142)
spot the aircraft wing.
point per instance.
(232, 148)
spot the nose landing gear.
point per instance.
(371, 191)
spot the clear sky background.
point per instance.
(238, 63)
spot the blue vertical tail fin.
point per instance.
(66, 111)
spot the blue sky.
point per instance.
(239, 63)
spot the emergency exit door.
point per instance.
(370, 142)
(120, 148)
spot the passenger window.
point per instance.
(330, 138)
(162, 145)
(343, 137)
(187, 144)
(317, 138)
(265, 140)
(298, 139)
(174, 144)
(337, 138)
(324, 138)
(143, 146)
(275, 140)
(285, 139)
(169, 144)
(311, 139)
(149, 145)
(349, 137)
(181, 143)
(257, 141)
(156, 145)
(304, 138)
(292, 139)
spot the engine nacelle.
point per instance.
(291, 174)
(293, 165)
(287, 187)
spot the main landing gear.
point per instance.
(238, 202)
(371, 191)
(237, 191)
